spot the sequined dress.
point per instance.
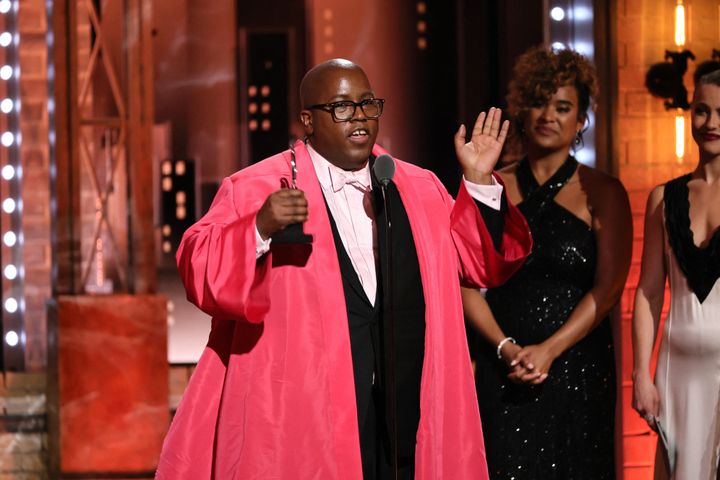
(563, 428)
(688, 367)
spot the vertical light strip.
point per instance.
(569, 24)
(680, 24)
(679, 135)
(50, 40)
(13, 304)
(422, 26)
(679, 115)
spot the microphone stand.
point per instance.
(389, 320)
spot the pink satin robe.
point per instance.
(273, 395)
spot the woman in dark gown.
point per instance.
(545, 369)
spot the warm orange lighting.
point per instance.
(680, 24)
(180, 168)
(679, 135)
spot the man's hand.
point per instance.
(281, 208)
(479, 156)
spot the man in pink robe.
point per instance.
(273, 395)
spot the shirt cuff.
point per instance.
(261, 246)
(489, 195)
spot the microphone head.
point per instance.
(384, 169)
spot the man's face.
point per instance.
(348, 144)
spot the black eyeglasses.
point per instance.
(344, 111)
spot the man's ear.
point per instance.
(306, 120)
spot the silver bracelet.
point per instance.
(503, 342)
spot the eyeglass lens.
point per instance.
(346, 110)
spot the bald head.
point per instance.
(313, 87)
(346, 143)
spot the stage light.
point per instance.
(12, 338)
(585, 156)
(6, 105)
(180, 168)
(8, 172)
(7, 138)
(557, 14)
(11, 305)
(680, 24)
(584, 48)
(6, 72)
(679, 135)
(582, 14)
(10, 272)
(9, 239)
(8, 205)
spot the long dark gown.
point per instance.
(563, 428)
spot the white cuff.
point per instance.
(261, 246)
(490, 195)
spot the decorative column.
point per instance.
(107, 339)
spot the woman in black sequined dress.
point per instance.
(546, 368)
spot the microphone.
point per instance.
(384, 169)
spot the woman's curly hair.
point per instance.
(539, 72)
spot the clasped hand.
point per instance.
(529, 365)
(281, 209)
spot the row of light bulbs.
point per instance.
(11, 205)
(571, 27)
(575, 14)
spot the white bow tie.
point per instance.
(359, 181)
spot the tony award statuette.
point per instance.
(293, 233)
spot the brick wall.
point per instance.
(34, 153)
(645, 29)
